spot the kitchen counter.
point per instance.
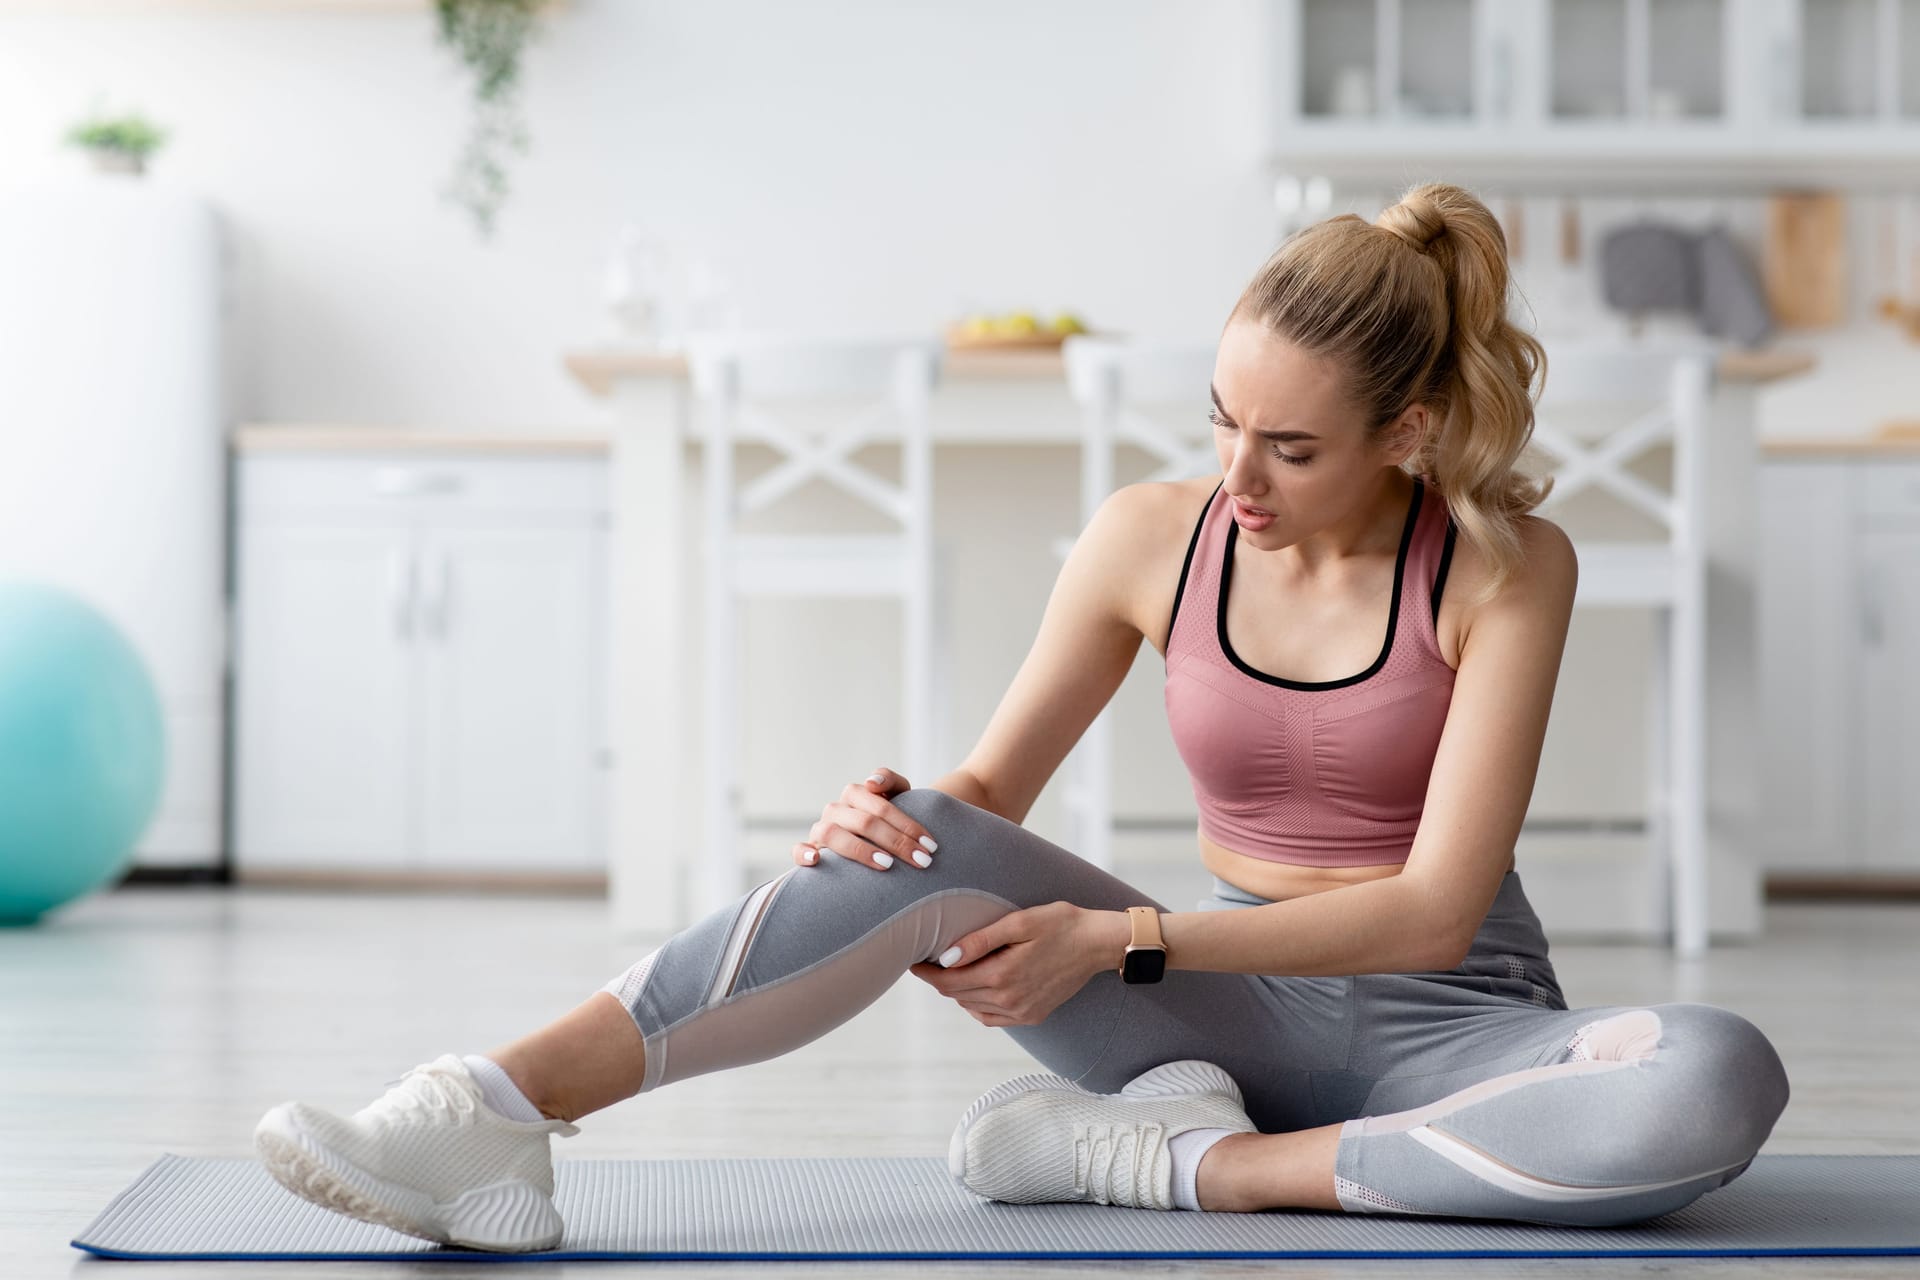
(263, 437)
(598, 368)
(1900, 439)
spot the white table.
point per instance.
(1021, 398)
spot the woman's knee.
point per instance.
(1730, 1077)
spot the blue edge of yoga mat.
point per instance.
(840, 1209)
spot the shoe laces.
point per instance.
(434, 1090)
(429, 1092)
(1102, 1151)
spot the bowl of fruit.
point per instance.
(1013, 331)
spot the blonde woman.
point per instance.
(1362, 626)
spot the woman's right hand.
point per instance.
(865, 826)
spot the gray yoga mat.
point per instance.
(812, 1209)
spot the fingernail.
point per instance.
(810, 855)
(948, 956)
(921, 860)
(876, 777)
(926, 842)
(883, 860)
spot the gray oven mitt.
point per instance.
(1732, 303)
(1649, 266)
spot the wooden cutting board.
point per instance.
(1804, 262)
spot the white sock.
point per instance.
(499, 1090)
(1186, 1150)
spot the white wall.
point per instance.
(848, 165)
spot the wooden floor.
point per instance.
(160, 1018)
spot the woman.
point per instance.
(1362, 1016)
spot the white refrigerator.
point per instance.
(112, 450)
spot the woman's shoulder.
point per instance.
(1153, 523)
(1543, 582)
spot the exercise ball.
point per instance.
(82, 750)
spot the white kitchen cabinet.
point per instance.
(419, 663)
(1840, 665)
(1889, 698)
(323, 676)
(1567, 93)
(511, 697)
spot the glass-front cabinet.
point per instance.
(1601, 88)
(1850, 61)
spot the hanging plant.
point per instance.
(488, 37)
(118, 143)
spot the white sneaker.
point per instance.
(1043, 1138)
(429, 1158)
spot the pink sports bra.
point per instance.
(1318, 773)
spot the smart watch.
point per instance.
(1146, 955)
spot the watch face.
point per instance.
(1147, 964)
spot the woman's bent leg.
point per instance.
(1638, 1112)
(1541, 1113)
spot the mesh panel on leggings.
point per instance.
(626, 988)
(1348, 1190)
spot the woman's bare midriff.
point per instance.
(1282, 880)
(1263, 877)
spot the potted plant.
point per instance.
(488, 37)
(117, 144)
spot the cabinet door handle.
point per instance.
(1872, 623)
(400, 585)
(436, 607)
(1502, 79)
(408, 482)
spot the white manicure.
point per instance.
(883, 860)
(921, 860)
(948, 956)
(876, 777)
(926, 842)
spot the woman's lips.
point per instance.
(1252, 511)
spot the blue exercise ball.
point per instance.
(82, 750)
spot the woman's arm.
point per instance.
(1425, 917)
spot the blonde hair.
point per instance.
(1412, 308)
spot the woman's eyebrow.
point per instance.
(1264, 435)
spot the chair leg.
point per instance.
(718, 873)
(940, 676)
(916, 692)
(1688, 691)
(1660, 791)
(1095, 816)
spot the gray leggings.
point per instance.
(1472, 1092)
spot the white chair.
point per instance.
(1111, 380)
(1669, 574)
(734, 378)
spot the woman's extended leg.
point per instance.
(804, 952)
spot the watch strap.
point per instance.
(1146, 927)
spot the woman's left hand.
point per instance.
(1023, 966)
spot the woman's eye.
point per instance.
(1296, 460)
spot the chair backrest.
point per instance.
(734, 375)
(1111, 379)
(1649, 394)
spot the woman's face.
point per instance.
(1288, 442)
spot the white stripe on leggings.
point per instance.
(745, 925)
(1489, 1170)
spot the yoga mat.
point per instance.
(845, 1209)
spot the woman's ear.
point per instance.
(1407, 435)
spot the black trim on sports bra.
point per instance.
(1187, 564)
(1393, 615)
(1446, 562)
